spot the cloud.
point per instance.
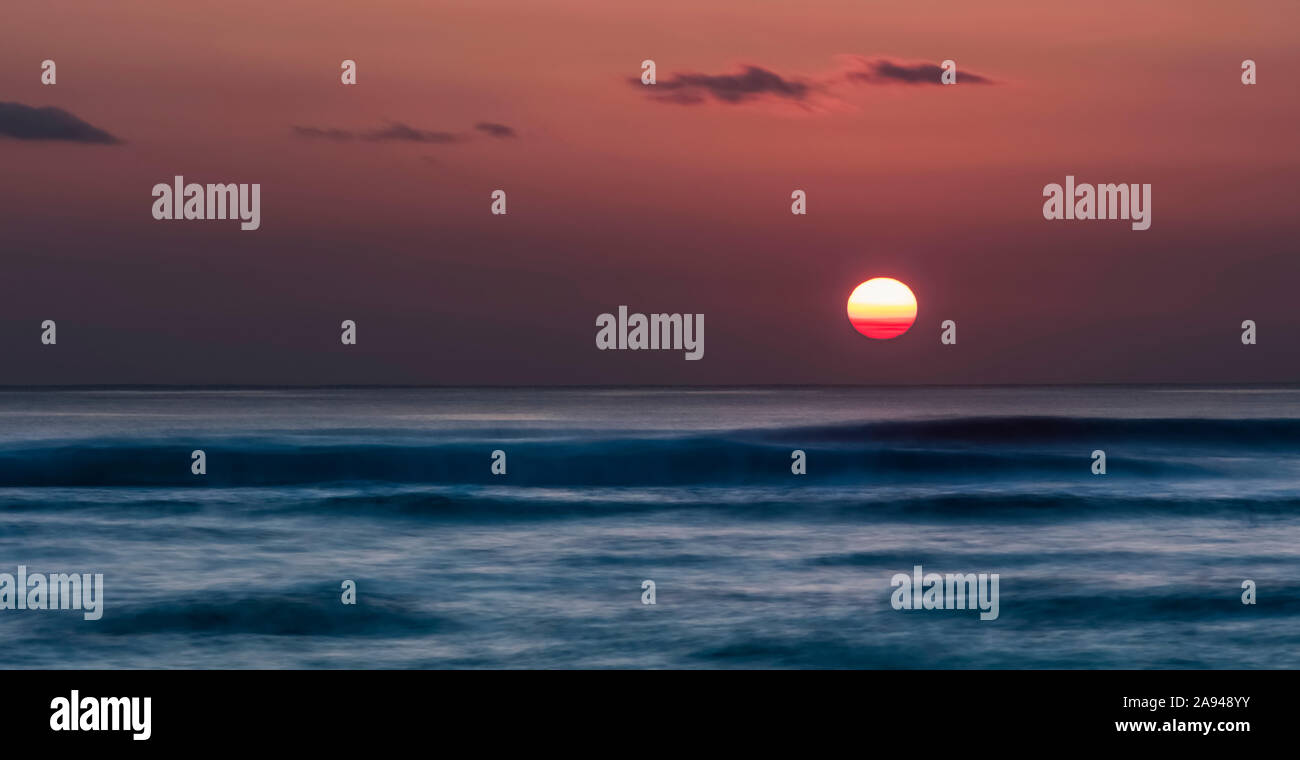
(398, 132)
(495, 130)
(814, 93)
(885, 71)
(27, 123)
(752, 82)
(394, 132)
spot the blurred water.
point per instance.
(754, 567)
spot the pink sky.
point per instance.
(616, 198)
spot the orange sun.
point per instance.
(882, 307)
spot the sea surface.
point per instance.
(754, 567)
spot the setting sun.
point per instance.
(882, 307)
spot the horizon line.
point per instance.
(661, 386)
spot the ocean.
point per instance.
(605, 488)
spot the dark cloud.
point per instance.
(495, 130)
(27, 123)
(399, 132)
(885, 71)
(755, 82)
(394, 132)
(752, 82)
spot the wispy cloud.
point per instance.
(884, 71)
(23, 122)
(750, 83)
(812, 93)
(396, 131)
(493, 129)
(393, 132)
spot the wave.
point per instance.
(884, 452)
(478, 505)
(315, 613)
(1282, 433)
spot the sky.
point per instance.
(671, 198)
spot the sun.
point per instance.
(882, 307)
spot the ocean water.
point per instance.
(754, 567)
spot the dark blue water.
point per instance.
(754, 566)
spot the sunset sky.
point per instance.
(673, 198)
